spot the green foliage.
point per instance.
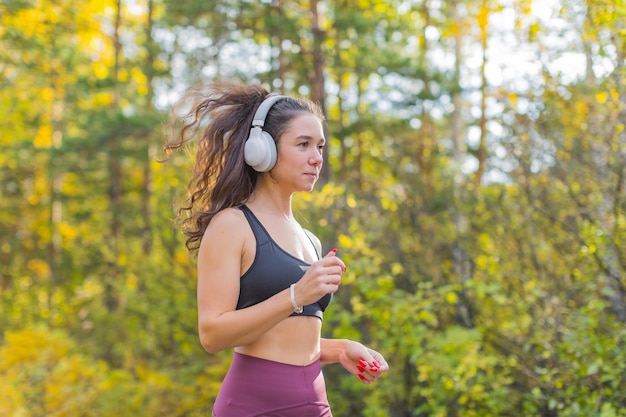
(488, 298)
(44, 373)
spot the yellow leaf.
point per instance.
(481, 261)
(483, 17)
(427, 317)
(131, 282)
(100, 70)
(46, 94)
(345, 241)
(614, 93)
(451, 298)
(43, 140)
(39, 268)
(67, 231)
(29, 345)
(98, 99)
(397, 268)
(138, 76)
(142, 90)
(122, 75)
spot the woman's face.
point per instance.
(299, 159)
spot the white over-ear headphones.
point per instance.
(260, 148)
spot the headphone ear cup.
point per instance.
(260, 150)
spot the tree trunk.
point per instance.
(151, 151)
(481, 152)
(318, 94)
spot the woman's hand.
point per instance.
(323, 277)
(367, 364)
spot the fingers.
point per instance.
(329, 269)
(332, 256)
(331, 279)
(379, 361)
(371, 369)
(329, 273)
(363, 362)
(321, 278)
(368, 373)
(332, 273)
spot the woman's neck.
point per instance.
(272, 201)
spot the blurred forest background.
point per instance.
(474, 186)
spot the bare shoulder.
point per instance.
(219, 263)
(229, 226)
(230, 217)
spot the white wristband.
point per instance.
(292, 294)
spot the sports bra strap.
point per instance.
(261, 235)
(312, 244)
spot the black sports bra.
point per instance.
(272, 271)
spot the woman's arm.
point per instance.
(357, 359)
(223, 247)
(220, 325)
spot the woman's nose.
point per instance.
(316, 158)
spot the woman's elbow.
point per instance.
(211, 344)
(209, 348)
(210, 340)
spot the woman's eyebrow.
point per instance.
(310, 138)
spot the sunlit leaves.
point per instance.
(500, 299)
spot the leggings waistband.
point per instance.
(255, 387)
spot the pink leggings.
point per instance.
(255, 387)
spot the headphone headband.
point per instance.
(264, 108)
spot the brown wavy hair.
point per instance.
(219, 116)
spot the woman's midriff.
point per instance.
(295, 341)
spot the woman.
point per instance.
(262, 284)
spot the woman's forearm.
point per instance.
(242, 327)
(332, 349)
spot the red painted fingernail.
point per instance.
(334, 250)
(360, 368)
(376, 364)
(373, 369)
(362, 377)
(362, 362)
